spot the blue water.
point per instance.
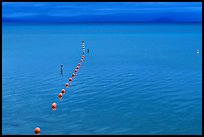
(136, 79)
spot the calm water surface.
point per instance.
(137, 79)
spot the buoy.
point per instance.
(73, 74)
(81, 60)
(70, 79)
(83, 48)
(54, 105)
(79, 64)
(60, 95)
(75, 70)
(77, 67)
(63, 91)
(37, 130)
(67, 84)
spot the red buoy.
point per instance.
(70, 79)
(81, 60)
(73, 74)
(54, 105)
(79, 64)
(63, 91)
(37, 130)
(77, 67)
(67, 84)
(60, 95)
(75, 70)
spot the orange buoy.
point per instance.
(79, 64)
(83, 56)
(81, 60)
(37, 130)
(70, 79)
(75, 70)
(54, 105)
(77, 67)
(63, 91)
(60, 95)
(67, 84)
(73, 74)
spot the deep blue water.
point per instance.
(136, 79)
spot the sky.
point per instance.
(69, 12)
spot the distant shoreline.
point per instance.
(64, 23)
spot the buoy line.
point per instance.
(63, 91)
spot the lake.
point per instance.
(136, 79)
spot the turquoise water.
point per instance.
(136, 79)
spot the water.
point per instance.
(136, 79)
